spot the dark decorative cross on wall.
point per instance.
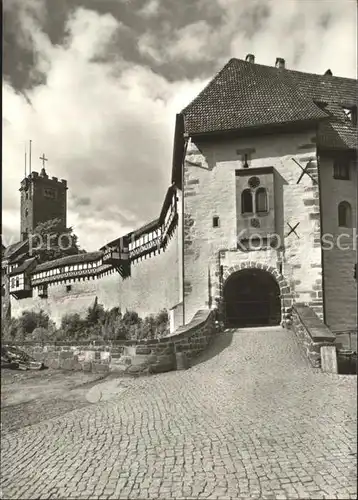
(43, 158)
(292, 229)
(304, 171)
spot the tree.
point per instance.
(95, 313)
(29, 320)
(51, 241)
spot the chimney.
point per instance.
(328, 72)
(250, 58)
(280, 63)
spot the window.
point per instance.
(17, 282)
(216, 221)
(246, 202)
(351, 114)
(26, 212)
(68, 288)
(50, 193)
(341, 169)
(261, 200)
(344, 214)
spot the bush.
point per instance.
(42, 335)
(99, 324)
(161, 322)
(131, 318)
(29, 320)
(24, 327)
(73, 326)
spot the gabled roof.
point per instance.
(70, 259)
(19, 258)
(23, 267)
(11, 250)
(245, 95)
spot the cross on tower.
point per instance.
(43, 158)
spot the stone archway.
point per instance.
(274, 298)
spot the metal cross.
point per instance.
(304, 171)
(43, 158)
(292, 229)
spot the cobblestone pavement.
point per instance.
(252, 420)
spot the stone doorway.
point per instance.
(252, 298)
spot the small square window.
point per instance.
(216, 221)
(341, 169)
(68, 288)
(351, 114)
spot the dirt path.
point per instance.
(29, 397)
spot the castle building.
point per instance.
(42, 199)
(260, 214)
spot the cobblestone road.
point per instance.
(252, 420)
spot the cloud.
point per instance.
(150, 9)
(106, 127)
(310, 35)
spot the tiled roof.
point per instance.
(12, 249)
(70, 259)
(22, 267)
(150, 226)
(244, 95)
(19, 258)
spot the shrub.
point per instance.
(41, 334)
(131, 318)
(29, 320)
(161, 322)
(73, 326)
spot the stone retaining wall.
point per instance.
(146, 356)
(311, 332)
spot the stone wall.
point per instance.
(210, 191)
(153, 286)
(78, 299)
(340, 287)
(131, 357)
(311, 333)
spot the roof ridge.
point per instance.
(87, 255)
(293, 70)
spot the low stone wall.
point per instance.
(146, 356)
(312, 333)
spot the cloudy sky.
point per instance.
(96, 84)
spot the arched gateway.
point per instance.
(254, 295)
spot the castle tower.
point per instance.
(42, 199)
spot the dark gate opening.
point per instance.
(252, 298)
